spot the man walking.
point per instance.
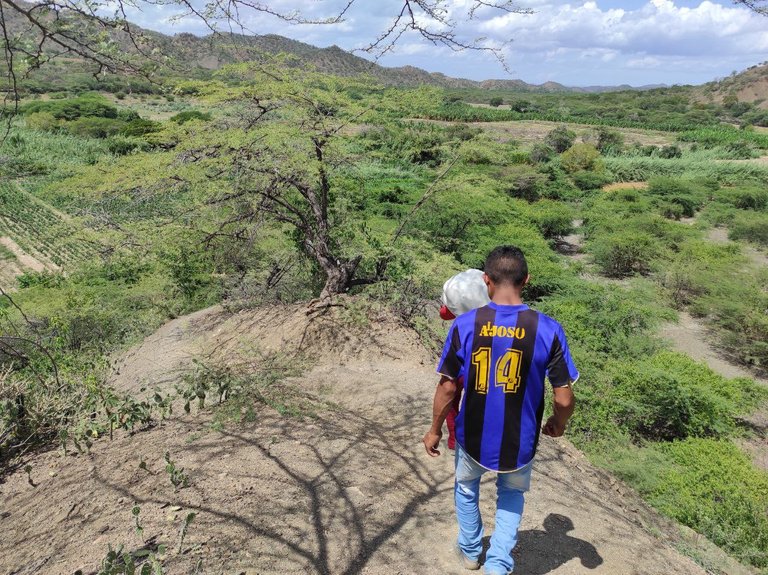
(503, 351)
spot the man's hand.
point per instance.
(553, 428)
(431, 441)
(563, 408)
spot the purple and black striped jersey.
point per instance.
(504, 352)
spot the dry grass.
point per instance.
(625, 186)
(529, 132)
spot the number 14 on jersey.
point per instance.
(507, 370)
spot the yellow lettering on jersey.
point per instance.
(508, 370)
(489, 330)
(481, 360)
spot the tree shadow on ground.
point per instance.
(345, 529)
(542, 551)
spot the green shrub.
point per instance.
(621, 254)
(672, 211)
(668, 396)
(42, 121)
(750, 227)
(581, 157)
(686, 194)
(605, 322)
(188, 115)
(541, 153)
(750, 198)
(496, 102)
(86, 106)
(670, 152)
(554, 219)
(739, 150)
(560, 139)
(121, 145)
(140, 127)
(523, 182)
(586, 180)
(94, 127)
(609, 141)
(715, 489)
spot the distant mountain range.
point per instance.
(204, 54)
(211, 52)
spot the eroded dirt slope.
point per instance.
(347, 490)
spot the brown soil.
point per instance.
(345, 490)
(22, 262)
(691, 337)
(23, 257)
(534, 131)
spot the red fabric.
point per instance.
(450, 420)
(446, 314)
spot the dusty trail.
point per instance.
(347, 490)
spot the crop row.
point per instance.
(38, 229)
(464, 113)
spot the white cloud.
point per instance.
(573, 41)
(644, 62)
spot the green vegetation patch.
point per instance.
(38, 229)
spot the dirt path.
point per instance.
(23, 257)
(347, 490)
(691, 337)
(720, 236)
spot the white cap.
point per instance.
(465, 291)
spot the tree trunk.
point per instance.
(339, 275)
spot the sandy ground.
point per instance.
(347, 490)
(534, 131)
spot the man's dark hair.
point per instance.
(506, 265)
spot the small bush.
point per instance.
(560, 139)
(554, 219)
(686, 194)
(580, 157)
(625, 253)
(586, 180)
(712, 487)
(750, 227)
(140, 127)
(669, 396)
(121, 145)
(94, 127)
(189, 115)
(525, 184)
(746, 198)
(609, 141)
(42, 121)
(670, 152)
(541, 153)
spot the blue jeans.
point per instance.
(510, 489)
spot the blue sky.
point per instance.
(577, 43)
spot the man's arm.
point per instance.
(441, 405)
(563, 403)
